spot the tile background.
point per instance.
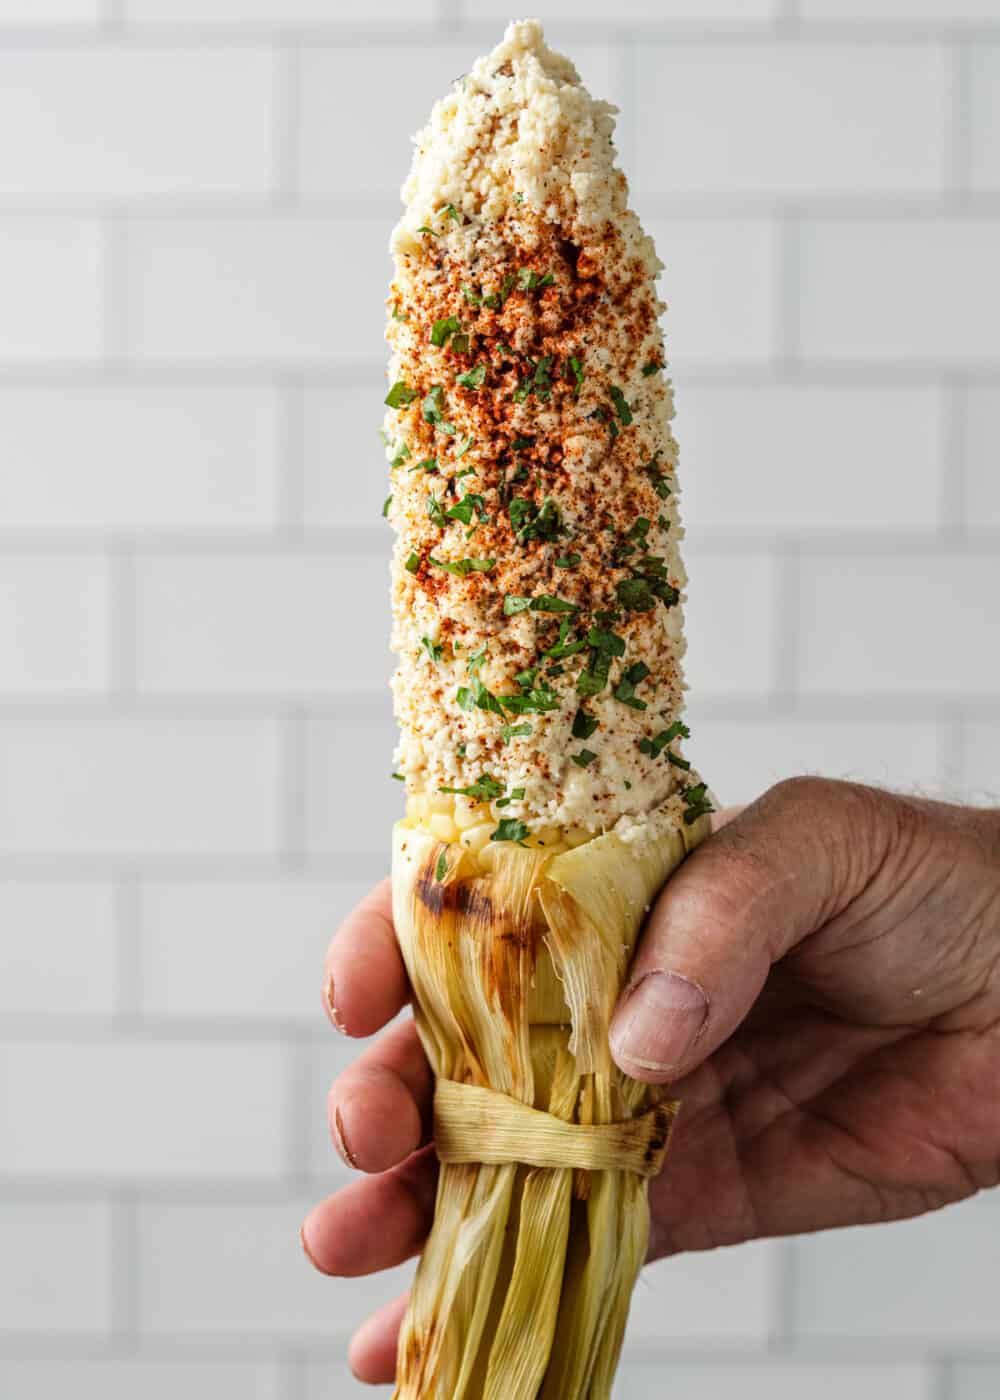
(194, 206)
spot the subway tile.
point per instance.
(278, 289)
(337, 84)
(51, 289)
(345, 472)
(749, 1379)
(720, 285)
(55, 1267)
(57, 952)
(331, 1380)
(975, 1380)
(740, 759)
(43, 14)
(282, 13)
(351, 800)
(807, 456)
(981, 760)
(125, 122)
(984, 113)
(899, 624)
(139, 786)
(771, 119)
(130, 1109)
(729, 622)
(644, 11)
(151, 1378)
(911, 290)
(237, 1270)
(903, 11)
(252, 949)
(55, 624)
(263, 623)
(982, 446)
(723, 1294)
(157, 457)
(929, 1281)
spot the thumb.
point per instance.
(770, 877)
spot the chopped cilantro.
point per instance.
(635, 594)
(472, 378)
(655, 746)
(576, 374)
(677, 761)
(514, 731)
(400, 455)
(441, 869)
(385, 506)
(657, 478)
(460, 344)
(464, 448)
(651, 368)
(435, 512)
(528, 281)
(429, 464)
(400, 395)
(538, 382)
(583, 758)
(460, 750)
(462, 510)
(442, 331)
(509, 829)
(538, 700)
(583, 724)
(485, 789)
(424, 229)
(463, 567)
(697, 802)
(621, 407)
(548, 603)
(398, 777)
(512, 605)
(531, 522)
(472, 297)
(520, 443)
(413, 563)
(625, 690)
(433, 649)
(516, 795)
(397, 315)
(568, 561)
(452, 213)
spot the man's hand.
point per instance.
(820, 983)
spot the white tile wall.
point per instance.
(55, 1267)
(121, 123)
(195, 742)
(158, 457)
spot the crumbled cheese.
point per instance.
(516, 233)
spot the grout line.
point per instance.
(959, 134)
(941, 1384)
(299, 1112)
(287, 127)
(115, 288)
(448, 18)
(294, 816)
(293, 1365)
(124, 1269)
(785, 628)
(128, 950)
(789, 285)
(124, 632)
(954, 470)
(291, 460)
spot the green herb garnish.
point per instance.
(583, 758)
(385, 506)
(485, 789)
(464, 567)
(621, 407)
(441, 869)
(697, 802)
(514, 731)
(509, 829)
(472, 378)
(583, 724)
(400, 395)
(412, 564)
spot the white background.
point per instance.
(195, 201)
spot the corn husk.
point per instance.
(524, 1285)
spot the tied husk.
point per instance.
(524, 1285)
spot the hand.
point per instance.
(820, 983)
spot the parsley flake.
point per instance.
(509, 829)
(472, 378)
(697, 802)
(514, 731)
(400, 395)
(583, 758)
(583, 724)
(412, 564)
(485, 789)
(463, 567)
(441, 869)
(621, 407)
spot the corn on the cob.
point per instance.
(537, 619)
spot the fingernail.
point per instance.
(305, 1243)
(660, 1021)
(340, 1140)
(331, 1007)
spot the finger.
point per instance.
(769, 878)
(372, 1353)
(380, 1108)
(374, 1223)
(364, 983)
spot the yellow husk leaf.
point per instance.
(524, 1284)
